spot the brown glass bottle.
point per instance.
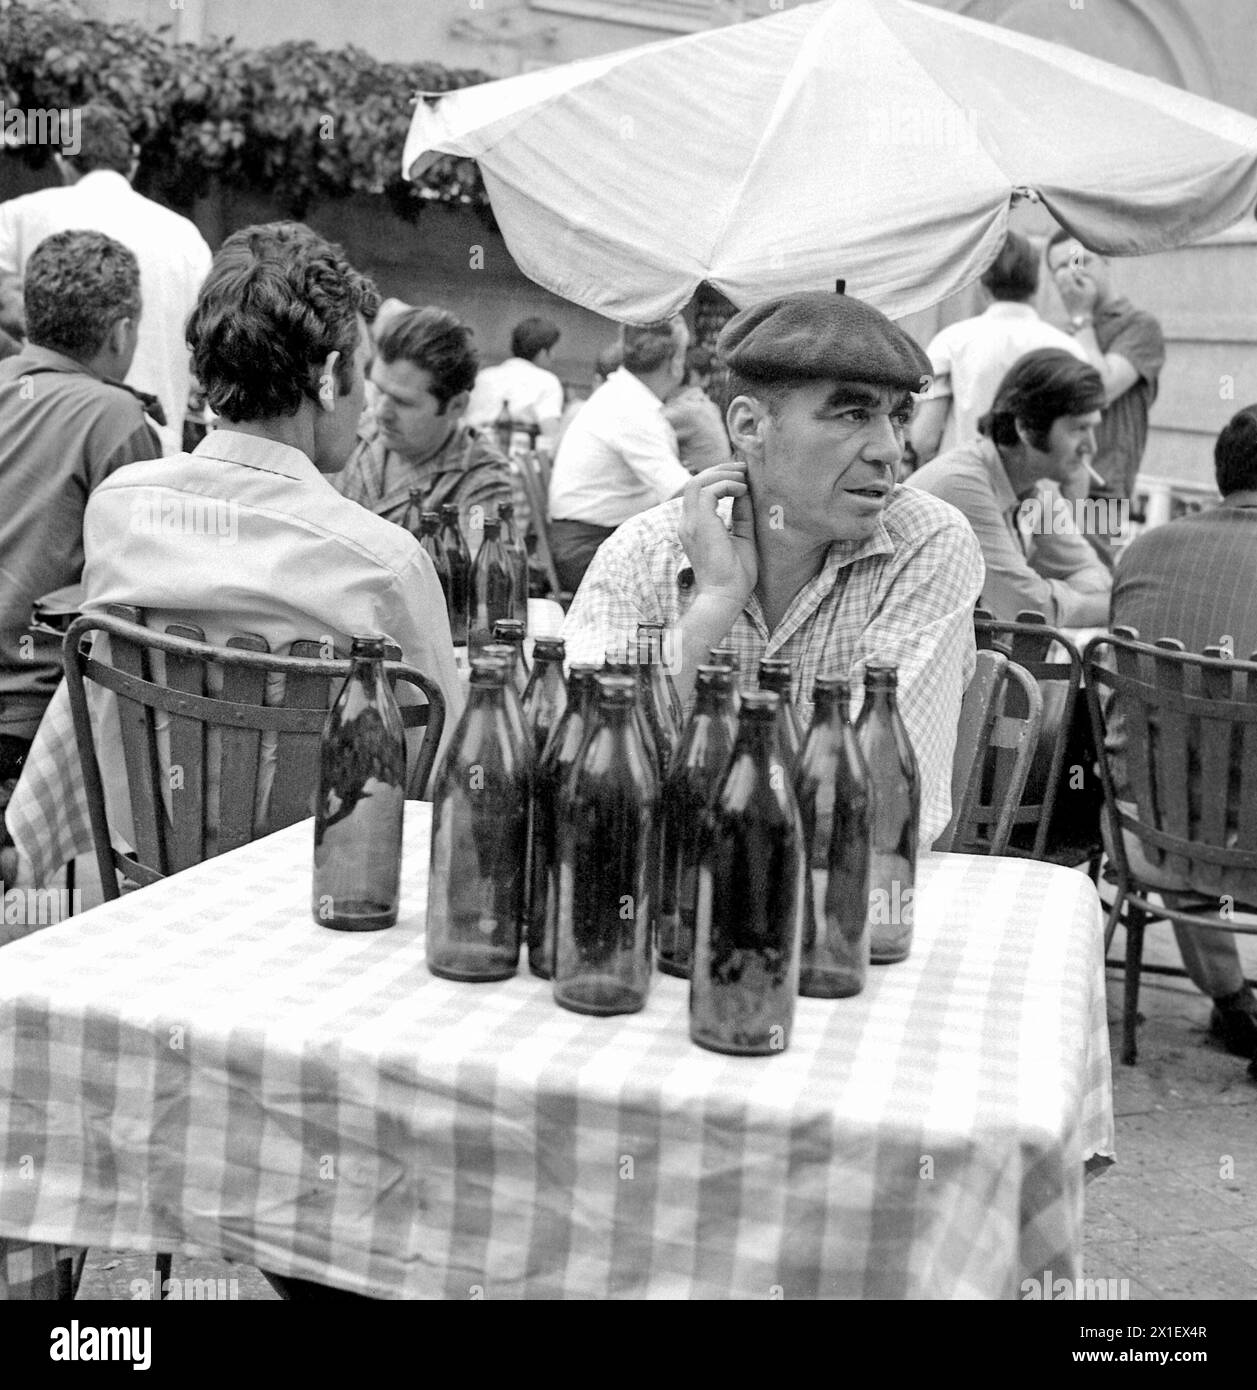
(458, 560)
(430, 543)
(510, 632)
(896, 803)
(606, 823)
(774, 675)
(653, 644)
(704, 752)
(545, 694)
(492, 587)
(726, 656)
(360, 799)
(749, 917)
(514, 544)
(557, 759)
(480, 806)
(831, 783)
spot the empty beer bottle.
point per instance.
(507, 656)
(480, 807)
(774, 675)
(749, 916)
(510, 632)
(412, 516)
(458, 560)
(607, 865)
(896, 803)
(726, 656)
(557, 758)
(430, 542)
(492, 587)
(831, 783)
(650, 639)
(622, 665)
(514, 543)
(545, 695)
(361, 793)
(653, 694)
(704, 751)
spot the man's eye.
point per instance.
(901, 419)
(857, 414)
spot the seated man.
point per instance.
(415, 437)
(828, 564)
(525, 382)
(619, 455)
(246, 534)
(1038, 434)
(66, 423)
(1196, 580)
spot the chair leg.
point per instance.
(1115, 916)
(1135, 920)
(161, 1272)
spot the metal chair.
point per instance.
(534, 473)
(1041, 828)
(995, 740)
(1189, 798)
(230, 692)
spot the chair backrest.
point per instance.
(1179, 734)
(995, 741)
(534, 473)
(1055, 663)
(220, 704)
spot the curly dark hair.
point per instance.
(78, 285)
(277, 300)
(1235, 453)
(433, 340)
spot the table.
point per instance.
(197, 1067)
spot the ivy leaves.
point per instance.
(301, 122)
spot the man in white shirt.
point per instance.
(968, 359)
(246, 533)
(173, 255)
(524, 382)
(619, 456)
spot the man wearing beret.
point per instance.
(827, 562)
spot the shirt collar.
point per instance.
(104, 178)
(46, 359)
(626, 384)
(252, 451)
(1009, 309)
(1005, 497)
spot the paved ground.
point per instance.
(1176, 1216)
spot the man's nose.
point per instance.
(883, 444)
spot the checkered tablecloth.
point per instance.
(200, 1068)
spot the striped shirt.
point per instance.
(904, 595)
(468, 469)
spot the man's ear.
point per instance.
(328, 388)
(456, 405)
(118, 338)
(746, 418)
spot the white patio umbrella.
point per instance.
(875, 140)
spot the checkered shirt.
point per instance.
(198, 1067)
(904, 595)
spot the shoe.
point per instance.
(1234, 1023)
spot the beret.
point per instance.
(819, 334)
